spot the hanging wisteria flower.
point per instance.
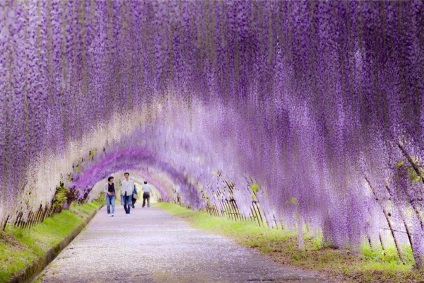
(318, 101)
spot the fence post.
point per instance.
(5, 223)
(252, 208)
(387, 219)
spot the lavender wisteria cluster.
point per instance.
(314, 109)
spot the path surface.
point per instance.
(150, 245)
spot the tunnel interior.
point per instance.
(305, 108)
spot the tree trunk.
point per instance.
(300, 236)
(387, 219)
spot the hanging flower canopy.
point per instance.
(320, 102)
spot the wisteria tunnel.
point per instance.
(288, 112)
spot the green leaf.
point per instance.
(254, 187)
(293, 200)
(400, 164)
(416, 179)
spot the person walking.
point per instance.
(134, 196)
(146, 194)
(110, 196)
(126, 192)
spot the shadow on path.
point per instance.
(150, 245)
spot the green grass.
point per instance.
(281, 245)
(19, 247)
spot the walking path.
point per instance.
(150, 245)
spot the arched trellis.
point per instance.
(190, 193)
(308, 97)
(145, 164)
(130, 158)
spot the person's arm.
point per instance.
(107, 190)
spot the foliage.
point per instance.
(27, 245)
(60, 197)
(254, 188)
(370, 266)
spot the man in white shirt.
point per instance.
(126, 192)
(146, 194)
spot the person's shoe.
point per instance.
(111, 215)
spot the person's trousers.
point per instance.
(110, 203)
(146, 196)
(133, 201)
(127, 204)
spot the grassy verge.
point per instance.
(369, 266)
(20, 247)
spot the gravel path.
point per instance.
(150, 245)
